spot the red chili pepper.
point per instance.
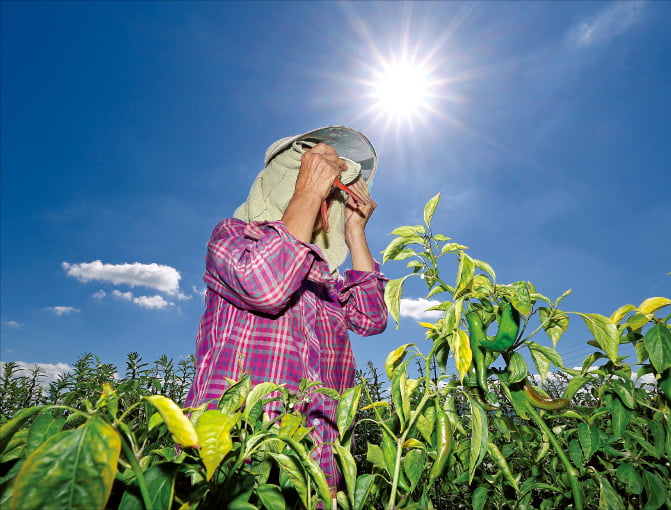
(324, 208)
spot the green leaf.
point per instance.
(609, 499)
(414, 463)
(408, 231)
(555, 323)
(655, 489)
(620, 417)
(520, 297)
(42, 429)
(179, 425)
(484, 266)
(479, 437)
(254, 398)
(71, 469)
(292, 467)
(589, 439)
(605, 333)
(347, 408)
(160, 480)
(465, 273)
(392, 297)
(657, 342)
(517, 368)
(271, 496)
(575, 452)
(375, 456)
(624, 390)
(542, 357)
(214, 435)
(347, 467)
(452, 247)
(638, 320)
(430, 209)
(632, 481)
(363, 486)
(479, 497)
(575, 384)
(7, 430)
(235, 395)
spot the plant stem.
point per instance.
(139, 474)
(570, 470)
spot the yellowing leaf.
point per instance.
(214, 434)
(427, 325)
(394, 358)
(463, 356)
(620, 313)
(179, 425)
(651, 305)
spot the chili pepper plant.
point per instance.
(506, 443)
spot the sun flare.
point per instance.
(402, 90)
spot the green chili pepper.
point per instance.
(509, 328)
(664, 383)
(443, 441)
(476, 334)
(542, 402)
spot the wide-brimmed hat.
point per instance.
(347, 142)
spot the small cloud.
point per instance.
(150, 302)
(417, 308)
(99, 295)
(200, 291)
(13, 324)
(155, 276)
(62, 310)
(607, 24)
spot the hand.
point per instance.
(320, 166)
(357, 215)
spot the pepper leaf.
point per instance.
(657, 342)
(430, 209)
(463, 356)
(604, 331)
(392, 297)
(651, 305)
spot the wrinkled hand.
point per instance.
(320, 166)
(357, 215)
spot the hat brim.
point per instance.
(347, 142)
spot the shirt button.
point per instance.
(315, 422)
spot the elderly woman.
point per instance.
(276, 307)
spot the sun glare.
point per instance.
(402, 89)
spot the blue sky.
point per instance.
(130, 128)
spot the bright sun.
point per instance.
(402, 90)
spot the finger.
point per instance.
(322, 148)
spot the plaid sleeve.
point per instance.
(256, 266)
(361, 294)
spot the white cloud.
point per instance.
(99, 295)
(13, 324)
(200, 291)
(417, 308)
(51, 370)
(62, 310)
(150, 302)
(155, 276)
(610, 22)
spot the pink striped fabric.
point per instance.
(274, 311)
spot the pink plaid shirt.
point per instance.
(274, 311)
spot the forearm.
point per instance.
(299, 216)
(362, 260)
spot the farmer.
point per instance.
(276, 307)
